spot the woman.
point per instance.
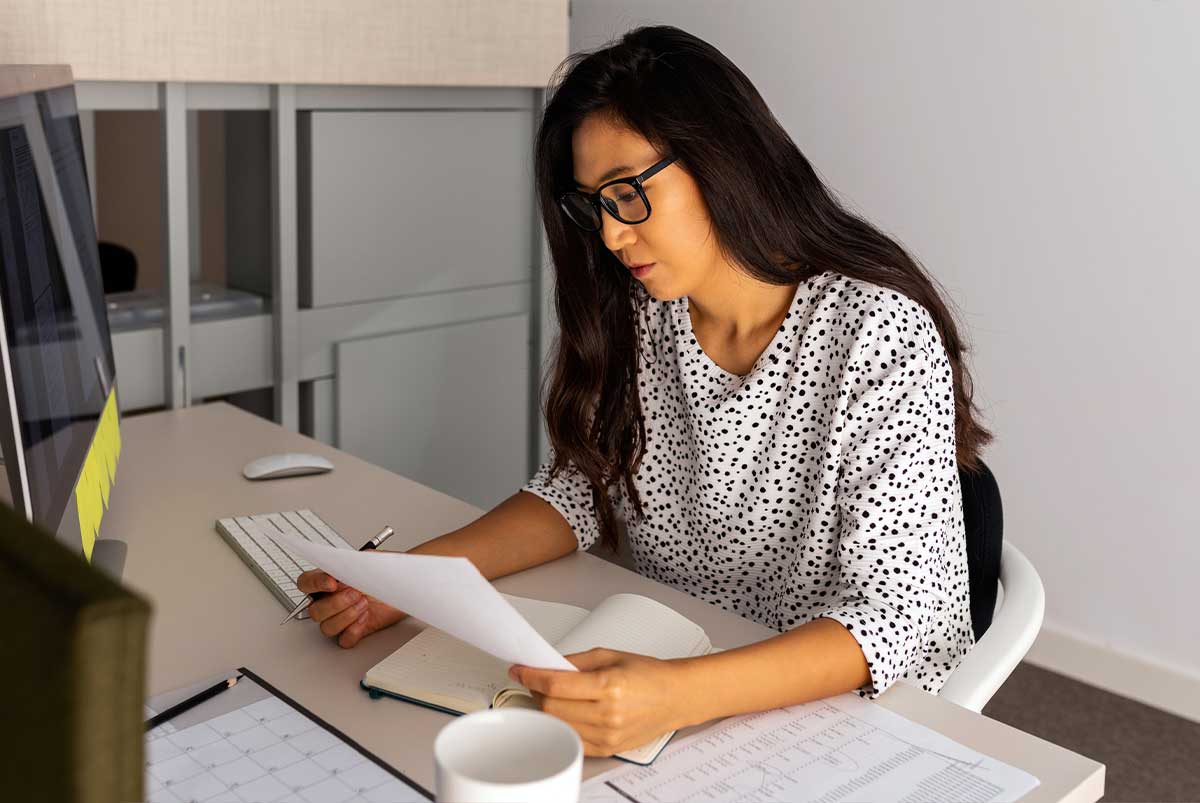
(766, 389)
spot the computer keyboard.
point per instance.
(276, 568)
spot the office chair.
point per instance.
(1005, 619)
(118, 267)
(983, 518)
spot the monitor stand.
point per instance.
(108, 555)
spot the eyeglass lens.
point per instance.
(622, 199)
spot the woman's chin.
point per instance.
(659, 292)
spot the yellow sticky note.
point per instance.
(98, 474)
(116, 435)
(87, 532)
(95, 499)
(102, 479)
(103, 459)
(97, 495)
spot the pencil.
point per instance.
(191, 702)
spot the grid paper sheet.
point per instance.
(262, 752)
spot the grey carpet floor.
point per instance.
(1149, 754)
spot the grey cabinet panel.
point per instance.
(322, 328)
(226, 356)
(138, 356)
(446, 406)
(231, 355)
(316, 410)
(396, 203)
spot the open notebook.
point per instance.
(440, 671)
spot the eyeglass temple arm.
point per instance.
(654, 170)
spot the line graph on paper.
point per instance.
(828, 751)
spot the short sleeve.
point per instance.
(896, 444)
(570, 494)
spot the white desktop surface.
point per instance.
(180, 471)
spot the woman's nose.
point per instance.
(616, 235)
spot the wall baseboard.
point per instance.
(1169, 688)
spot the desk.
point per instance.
(181, 470)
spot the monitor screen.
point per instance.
(59, 361)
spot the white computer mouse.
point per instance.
(285, 465)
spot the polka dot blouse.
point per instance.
(821, 484)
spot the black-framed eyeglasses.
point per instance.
(623, 198)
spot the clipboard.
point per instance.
(260, 739)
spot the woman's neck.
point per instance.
(736, 317)
(732, 308)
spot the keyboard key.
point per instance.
(249, 537)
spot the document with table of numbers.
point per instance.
(843, 748)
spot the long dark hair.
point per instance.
(686, 98)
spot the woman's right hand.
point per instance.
(345, 613)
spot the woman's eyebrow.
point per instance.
(612, 173)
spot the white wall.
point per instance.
(1042, 159)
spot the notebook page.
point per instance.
(633, 623)
(437, 668)
(552, 619)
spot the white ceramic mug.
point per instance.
(505, 755)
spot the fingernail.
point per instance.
(512, 673)
(361, 605)
(353, 595)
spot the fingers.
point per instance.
(354, 633)
(332, 605)
(342, 611)
(335, 624)
(596, 741)
(597, 723)
(586, 712)
(576, 714)
(590, 683)
(594, 658)
(560, 683)
(316, 580)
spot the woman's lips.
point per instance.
(642, 271)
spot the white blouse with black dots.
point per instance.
(822, 483)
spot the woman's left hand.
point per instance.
(618, 700)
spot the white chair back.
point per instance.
(1018, 618)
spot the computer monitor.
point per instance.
(59, 429)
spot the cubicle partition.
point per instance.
(382, 285)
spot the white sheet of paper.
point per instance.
(448, 593)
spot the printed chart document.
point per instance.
(843, 748)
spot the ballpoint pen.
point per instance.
(303, 604)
